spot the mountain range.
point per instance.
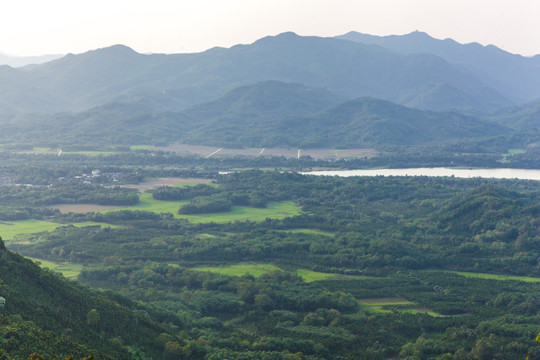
(348, 68)
(253, 95)
(516, 77)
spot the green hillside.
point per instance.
(49, 315)
(364, 122)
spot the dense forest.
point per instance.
(371, 268)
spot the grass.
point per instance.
(140, 147)
(71, 271)
(89, 152)
(8, 230)
(274, 210)
(494, 276)
(512, 152)
(310, 231)
(240, 269)
(311, 276)
(259, 269)
(386, 305)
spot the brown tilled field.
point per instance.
(84, 208)
(142, 187)
(328, 154)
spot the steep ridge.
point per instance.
(49, 315)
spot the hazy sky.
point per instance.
(31, 27)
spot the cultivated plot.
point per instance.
(71, 271)
(8, 230)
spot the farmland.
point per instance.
(209, 151)
(274, 210)
(9, 230)
(388, 305)
(71, 271)
(255, 270)
(496, 277)
(170, 181)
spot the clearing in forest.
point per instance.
(8, 230)
(259, 269)
(388, 305)
(494, 276)
(71, 271)
(239, 269)
(168, 181)
(273, 210)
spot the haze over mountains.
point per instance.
(242, 90)
(18, 61)
(515, 76)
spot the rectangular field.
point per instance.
(259, 269)
(239, 269)
(8, 230)
(83, 208)
(495, 276)
(171, 181)
(386, 305)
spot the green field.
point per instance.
(259, 269)
(239, 269)
(8, 230)
(46, 150)
(310, 276)
(387, 305)
(274, 210)
(140, 147)
(71, 271)
(495, 276)
(89, 152)
(309, 231)
(512, 152)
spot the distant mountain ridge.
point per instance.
(175, 82)
(514, 76)
(18, 61)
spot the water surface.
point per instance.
(523, 174)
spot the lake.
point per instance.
(523, 174)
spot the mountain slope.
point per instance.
(526, 117)
(348, 68)
(514, 76)
(48, 315)
(363, 122)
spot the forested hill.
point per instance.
(78, 82)
(362, 122)
(48, 315)
(266, 114)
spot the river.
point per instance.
(523, 174)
